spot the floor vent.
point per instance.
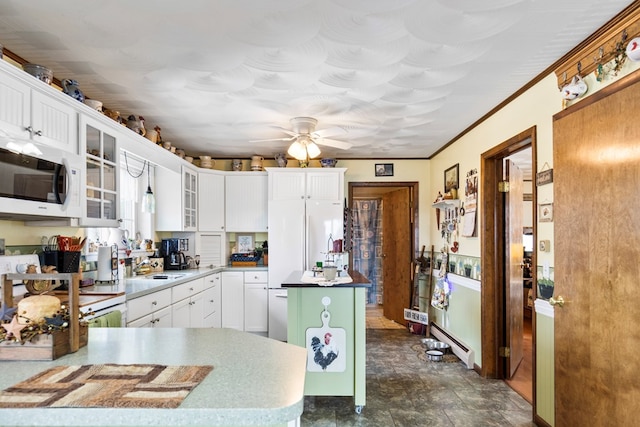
(459, 349)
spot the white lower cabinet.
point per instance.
(245, 301)
(158, 319)
(152, 310)
(188, 304)
(228, 299)
(188, 313)
(212, 301)
(233, 300)
(193, 304)
(256, 302)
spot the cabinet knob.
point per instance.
(191, 289)
(154, 303)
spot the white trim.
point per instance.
(544, 308)
(456, 279)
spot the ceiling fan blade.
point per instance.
(333, 143)
(333, 131)
(274, 139)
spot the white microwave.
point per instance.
(38, 181)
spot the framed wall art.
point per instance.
(545, 212)
(384, 169)
(451, 177)
(244, 244)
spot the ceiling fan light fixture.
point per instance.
(313, 150)
(297, 151)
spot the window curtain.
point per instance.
(367, 245)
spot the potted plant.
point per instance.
(545, 288)
(467, 270)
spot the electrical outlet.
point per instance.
(545, 246)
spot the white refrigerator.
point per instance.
(299, 236)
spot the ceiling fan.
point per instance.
(305, 138)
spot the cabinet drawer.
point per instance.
(139, 307)
(212, 281)
(187, 289)
(256, 277)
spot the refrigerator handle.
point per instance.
(305, 238)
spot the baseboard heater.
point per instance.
(459, 349)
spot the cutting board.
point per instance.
(326, 347)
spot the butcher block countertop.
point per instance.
(255, 381)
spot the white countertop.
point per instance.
(255, 380)
(138, 286)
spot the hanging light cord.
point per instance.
(148, 178)
(126, 162)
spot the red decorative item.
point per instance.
(454, 248)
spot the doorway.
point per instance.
(385, 209)
(508, 348)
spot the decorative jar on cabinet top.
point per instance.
(256, 163)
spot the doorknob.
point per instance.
(557, 301)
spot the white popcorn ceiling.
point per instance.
(402, 77)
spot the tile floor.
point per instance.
(405, 391)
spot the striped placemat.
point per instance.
(106, 386)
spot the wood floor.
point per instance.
(376, 320)
(522, 381)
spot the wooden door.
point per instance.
(596, 156)
(513, 266)
(397, 248)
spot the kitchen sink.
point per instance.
(162, 276)
(159, 276)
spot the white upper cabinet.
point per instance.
(309, 183)
(189, 199)
(246, 202)
(34, 111)
(211, 201)
(176, 199)
(100, 144)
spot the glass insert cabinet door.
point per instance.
(190, 199)
(101, 164)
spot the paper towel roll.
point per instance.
(104, 264)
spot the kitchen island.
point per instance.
(329, 321)
(255, 381)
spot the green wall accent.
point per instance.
(545, 367)
(462, 317)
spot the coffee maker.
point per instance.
(171, 251)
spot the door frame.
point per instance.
(414, 203)
(492, 227)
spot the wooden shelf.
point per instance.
(447, 204)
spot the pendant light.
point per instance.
(149, 200)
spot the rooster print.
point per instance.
(324, 351)
(326, 348)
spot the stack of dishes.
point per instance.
(206, 162)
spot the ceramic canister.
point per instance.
(256, 163)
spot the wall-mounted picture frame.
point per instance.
(451, 177)
(244, 244)
(545, 212)
(384, 169)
